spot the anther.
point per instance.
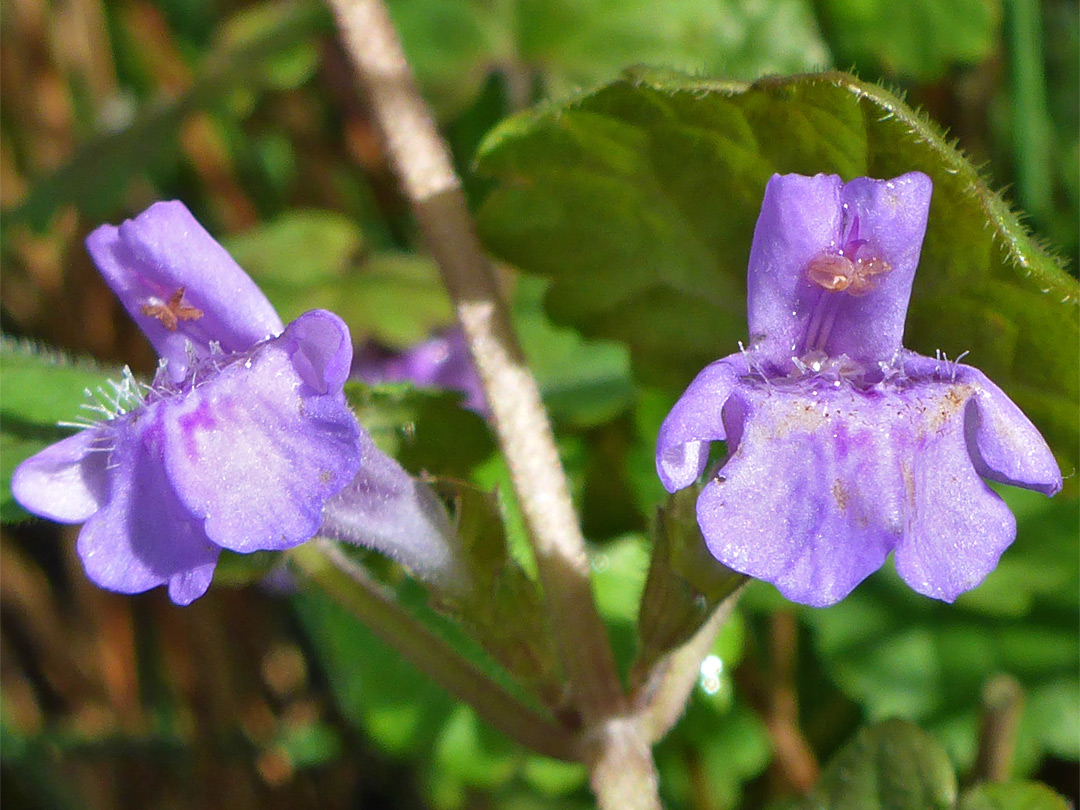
(171, 313)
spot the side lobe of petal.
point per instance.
(682, 445)
(892, 216)
(147, 260)
(322, 353)
(385, 509)
(67, 481)
(800, 218)
(1004, 445)
(957, 526)
(810, 499)
(143, 536)
(256, 453)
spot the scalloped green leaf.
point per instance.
(638, 201)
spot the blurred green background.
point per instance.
(249, 113)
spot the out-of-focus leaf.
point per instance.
(473, 753)
(310, 259)
(427, 431)
(97, 177)
(401, 710)
(890, 766)
(298, 249)
(237, 570)
(918, 39)
(578, 45)
(639, 201)
(619, 570)
(40, 389)
(306, 745)
(565, 45)
(286, 68)
(583, 382)
(1012, 796)
(712, 752)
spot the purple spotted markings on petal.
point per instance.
(844, 447)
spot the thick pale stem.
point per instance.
(353, 588)
(424, 167)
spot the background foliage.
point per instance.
(623, 206)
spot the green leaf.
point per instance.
(473, 753)
(504, 610)
(299, 248)
(890, 766)
(685, 582)
(1012, 796)
(237, 570)
(41, 388)
(711, 752)
(425, 430)
(639, 201)
(918, 39)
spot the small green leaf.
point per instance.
(685, 583)
(503, 610)
(400, 709)
(41, 388)
(639, 200)
(473, 753)
(298, 248)
(1019, 795)
(890, 766)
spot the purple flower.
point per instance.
(240, 440)
(842, 445)
(442, 361)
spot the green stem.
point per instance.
(352, 587)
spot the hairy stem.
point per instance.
(423, 165)
(352, 587)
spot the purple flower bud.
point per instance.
(238, 443)
(442, 361)
(842, 445)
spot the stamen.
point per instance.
(833, 272)
(172, 312)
